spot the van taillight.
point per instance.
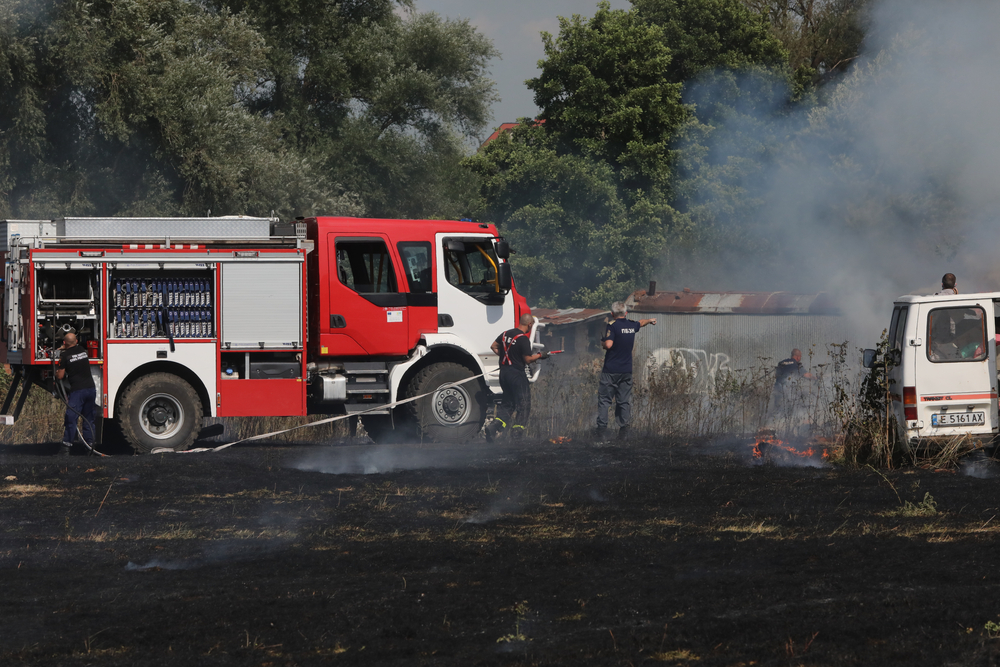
(910, 403)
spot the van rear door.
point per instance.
(955, 379)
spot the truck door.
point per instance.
(367, 311)
(470, 301)
(955, 382)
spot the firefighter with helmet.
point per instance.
(514, 349)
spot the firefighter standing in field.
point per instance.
(616, 376)
(514, 349)
(787, 392)
(74, 365)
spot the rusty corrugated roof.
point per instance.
(745, 303)
(558, 317)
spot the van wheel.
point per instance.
(160, 411)
(453, 414)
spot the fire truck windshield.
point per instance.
(471, 266)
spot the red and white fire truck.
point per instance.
(235, 316)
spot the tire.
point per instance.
(452, 415)
(160, 411)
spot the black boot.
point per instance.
(494, 430)
(65, 449)
(623, 433)
(601, 434)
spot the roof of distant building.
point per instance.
(747, 303)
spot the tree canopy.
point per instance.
(242, 106)
(589, 196)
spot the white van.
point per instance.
(944, 383)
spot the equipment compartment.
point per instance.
(158, 304)
(66, 301)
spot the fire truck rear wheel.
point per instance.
(160, 410)
(454, 414)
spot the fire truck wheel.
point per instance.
(160, 410)
(454, 414)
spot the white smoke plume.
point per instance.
(381, 459)
(883, 187)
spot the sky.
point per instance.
(514, 27)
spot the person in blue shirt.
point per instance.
(616, 376)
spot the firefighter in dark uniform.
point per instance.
(74, 365)
(514, 349)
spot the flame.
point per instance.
(766, 440)
(560, 440)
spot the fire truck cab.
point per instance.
(942, 356)
(235, 316)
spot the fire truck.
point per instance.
(185, 318)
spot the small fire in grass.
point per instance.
(768, 447)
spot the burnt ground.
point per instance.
(537, 554)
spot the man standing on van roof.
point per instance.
(948, 283)
(616, 376)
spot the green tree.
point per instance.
(822, 37)
(590, 196)
(384, 99)
(171, 106)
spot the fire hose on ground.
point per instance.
(164, 450)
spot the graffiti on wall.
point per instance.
(702, 367)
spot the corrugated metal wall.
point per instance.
(743, 342)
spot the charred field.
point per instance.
(649, 552)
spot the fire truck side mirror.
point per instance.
(503, 249)
(505, 279)
(870, 356)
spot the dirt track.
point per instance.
(541, 554)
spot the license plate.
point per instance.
(959, 419)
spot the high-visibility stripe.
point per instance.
(958, 397)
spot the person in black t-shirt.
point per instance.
(514, 349)
(616, 376)
(74, 365)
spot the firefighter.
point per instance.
(787, 392)
(74, 365)
(616, 375)
(514, 349)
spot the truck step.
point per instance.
(352, 408)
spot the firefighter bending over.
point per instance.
(74, 365)
(514, 349)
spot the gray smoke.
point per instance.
(886, 185)
(380, 459)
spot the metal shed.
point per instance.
(716, 332)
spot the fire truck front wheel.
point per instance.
(449, 414)
(160, 410)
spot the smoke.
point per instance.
(978, 465)
(877, 190)
(380, 459)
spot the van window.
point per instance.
(897, 330)
(956, 334)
